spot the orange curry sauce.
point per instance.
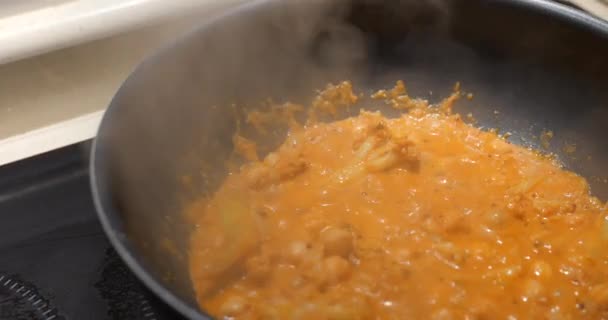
(417, 217)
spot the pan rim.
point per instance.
(105, 214)
(118, 241)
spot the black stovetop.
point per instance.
(55, 261)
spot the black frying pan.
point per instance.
(533, 65)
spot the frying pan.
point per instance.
(532, 65)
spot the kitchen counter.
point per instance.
(55, 99)
(33, 27)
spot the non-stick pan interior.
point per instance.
(532, 66)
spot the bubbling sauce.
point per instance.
(422, 216)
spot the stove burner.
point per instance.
(146, 308)
(20, 300)
(125, 295)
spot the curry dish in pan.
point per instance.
(422, 216)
